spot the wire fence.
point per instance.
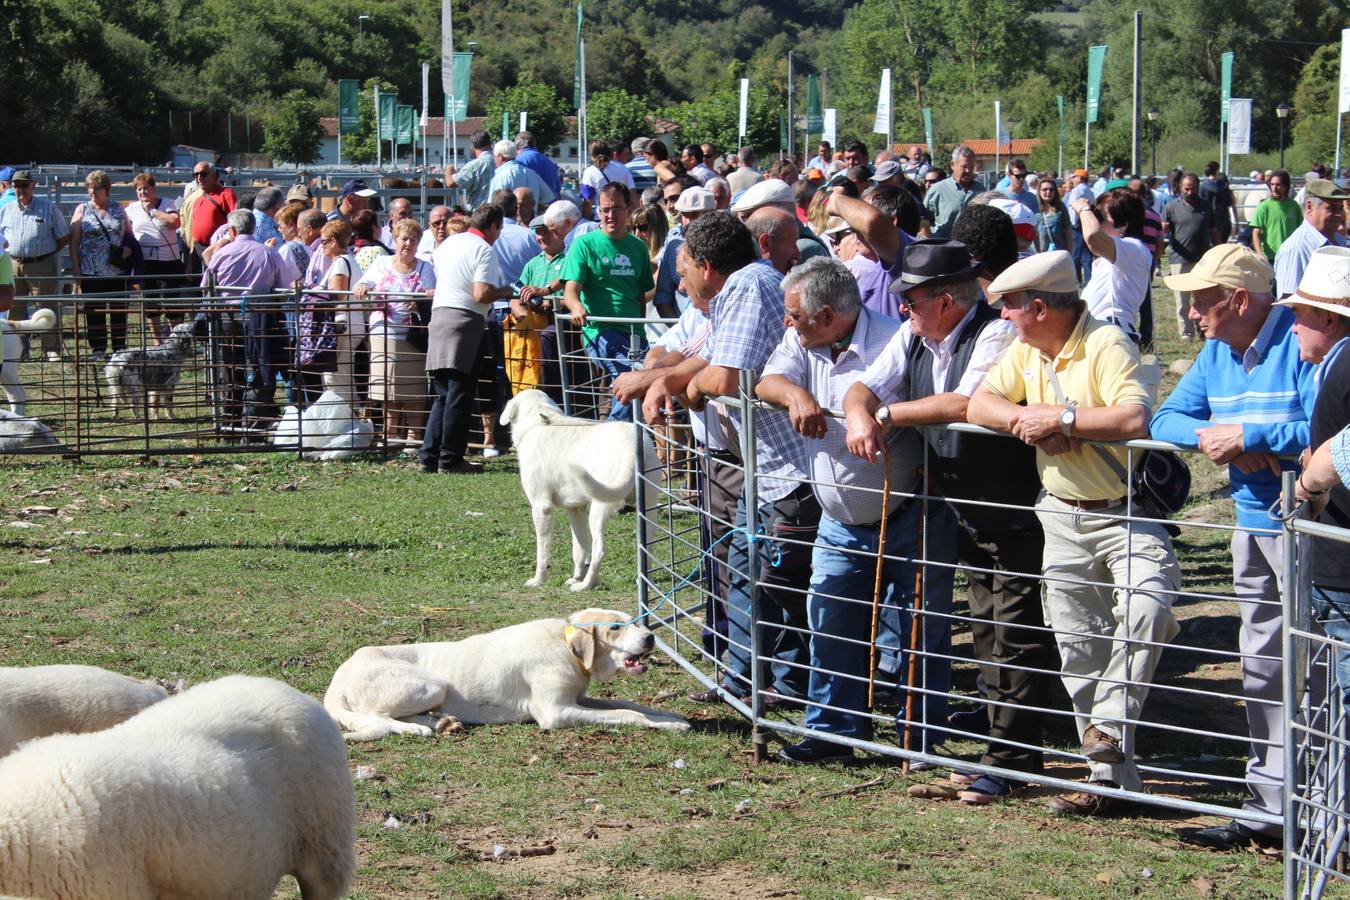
(942, 651)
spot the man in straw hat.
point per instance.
(1079, 379)
(1245, 403)
(926, 376)
(1322, 322)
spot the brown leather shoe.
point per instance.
(1082, 803)
(1100, 747)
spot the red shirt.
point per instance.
(209, 212)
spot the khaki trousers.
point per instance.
(38, 278)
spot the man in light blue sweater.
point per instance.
(1247, 403)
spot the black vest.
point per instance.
(975, 466)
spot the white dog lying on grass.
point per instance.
(215, 793)
(574, 464)
(533, 671)
(43, 700)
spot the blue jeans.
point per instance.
(840, 611)
(777, 608)
(614, 350)
(1332, 610)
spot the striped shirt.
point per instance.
(1293, 255)
(687, 337)
(1266, 389)
(32, 230)
(747, 326)
(848, 488)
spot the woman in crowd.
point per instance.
(658, 155)
(602, 170)
(99, 260)
(155, 222)
(398, 378)
(366, 246)
(317, 329)
(1113, 229)
(294, 249)
(1053, 230)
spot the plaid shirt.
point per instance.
(747, 325)
(848, 488)
(32, 230)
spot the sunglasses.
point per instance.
(642, 228)
(20, 185)
(434, 223)
(201, 174)
(1017, 174)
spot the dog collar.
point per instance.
(568, 633)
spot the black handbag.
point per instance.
(119, 255)
(419, 324)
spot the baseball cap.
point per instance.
(538, 222)
(1230, 265)
(22, 175)
(888, 169)
(1081, 173)
(355, 186)
(696, 199)
(1024, 223)
(300, 192)
(7, 173)
(763, 193)
(1323, 189)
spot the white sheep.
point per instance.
(214, 793)
(43, 700)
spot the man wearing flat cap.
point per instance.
(1245, 403)
(943, 352)
(1323, 217)
(1079, 380)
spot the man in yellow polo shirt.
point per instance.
(1079, 380)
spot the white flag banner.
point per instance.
(524, 117)
(426, 79)
(882, 125)
(1239, 126)
(1000, 133)
(1344, 105)
(745, 110)
(829, 115)
(447, 49)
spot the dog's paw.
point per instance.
(578, 586)
(450, 725)
(534, 582)
(674, 723)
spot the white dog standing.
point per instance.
(42, 320)
(533, 671)
(574, 464)
(215, 793)
(42, 700)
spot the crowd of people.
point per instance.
(904, 295)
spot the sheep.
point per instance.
(214, 793)
(43, 700)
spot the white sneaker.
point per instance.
(53, 356)
(491, 453)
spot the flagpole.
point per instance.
(379, 147)
(581, 118)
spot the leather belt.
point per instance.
(1091, 504)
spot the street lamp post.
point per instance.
(1282, 112)
(361, 23)
(1153, 116)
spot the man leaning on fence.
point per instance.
(36, 231)
(942, 354)
(1109, 583)
(1245, 403)
(831, 342)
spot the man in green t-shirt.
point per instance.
(1276, 217)
(609, 274)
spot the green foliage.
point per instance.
(616, 115)
(291, 129)
(715, 119)
(547, 118)
(360, 147)
(1314, 116)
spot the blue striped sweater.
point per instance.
(1273, 403)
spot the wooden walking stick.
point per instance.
(881, 564)
(912, 672)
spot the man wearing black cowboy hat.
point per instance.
(944, 351)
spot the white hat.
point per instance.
(1052, 271)
(506, 149)
(1325, 283)
(696, 199)
(1015, 210)
(836, 225)
(763, 193)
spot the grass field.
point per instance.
(196, 567)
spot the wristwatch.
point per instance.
(1068, 417)
(883, 415)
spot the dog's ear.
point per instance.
(510, 412)
(583, 646)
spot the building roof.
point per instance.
(983, 146)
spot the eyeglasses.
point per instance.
(541, 230)
(201, 174)
(931, 180)
(907, 303)
(1017, 174)
(642, 229)
(328, 241)
(438, 223)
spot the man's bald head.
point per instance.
(775, 232)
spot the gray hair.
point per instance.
(718, 186)
(964, 294)
(961, 151)
(987, 197)
(560, 212)
(1057, 299)
(314, 218)
(747, 156)
(268, 199)
(821, 282)
(241, 220)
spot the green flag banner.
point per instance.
(576, 75)
(1059, 102)
(1226, 91)
(815, 119)
(928, 129)
(349, 119)
(387, 104)
(457, 102)
(1096, 57)
(782, 131)
(405, 123)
